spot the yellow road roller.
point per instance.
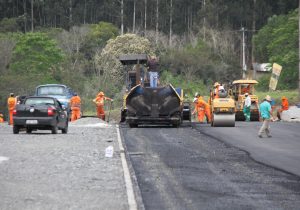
(222, 110)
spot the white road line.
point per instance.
(3, 159)
(128, 182)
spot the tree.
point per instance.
(278, 42)
(109, 71)
(37, 55)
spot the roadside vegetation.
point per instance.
(85, 56)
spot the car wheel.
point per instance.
(54, 129)
(16, 129)
(28, 130)
(65, 130)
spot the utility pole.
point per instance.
(122, 17)
(299, 54)
(243, 51)
(204, 20)
(31, 15)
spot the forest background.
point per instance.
(198, 42)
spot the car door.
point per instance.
(61, 115)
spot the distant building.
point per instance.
(260, 70)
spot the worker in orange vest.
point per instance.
(216, 90)
(203, 109)
(11, 103)
(284, 106)
(75, 103)
(99, 101)
(1, 118)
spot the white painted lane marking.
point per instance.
(128, 182)
(3, 159)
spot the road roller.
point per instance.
(143, 104)
(222, 110)
(238, 90)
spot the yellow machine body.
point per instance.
(239, 88)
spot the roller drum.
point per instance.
(223, 120)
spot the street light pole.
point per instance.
(244, 56)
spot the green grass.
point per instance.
(292, 95)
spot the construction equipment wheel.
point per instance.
(223, 120)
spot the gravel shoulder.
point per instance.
(63, 171)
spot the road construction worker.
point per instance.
(75, 103)
(216, 90)
(195, 100)
(245, 89)
(153, 71)
(11, 104)
(284, 106)
(247, 106)
(266, 116)
(99, 101)
(1, 118)
(202, 108)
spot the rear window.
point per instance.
(51, 90)
(39, 101)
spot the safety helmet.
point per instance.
(75, 94)
(268, 98)
(283, 98)
(101, 94)
(246, 94)
(216, 84)
(196, 94)
(11, 94)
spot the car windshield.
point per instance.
(51, 90)
(38, 101)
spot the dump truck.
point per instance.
(222, 110)
(238, 90)
(150, 105)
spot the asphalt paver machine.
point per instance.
(147, 105)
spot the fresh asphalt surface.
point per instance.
(281, 151)
(197, 168)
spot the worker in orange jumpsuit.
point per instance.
(1, 118)
(75, 103)
(246, 89)
(216, 90)
(203, 109)
(284, 106)
(99, 101)
(11, 103)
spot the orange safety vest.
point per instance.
(285, 104)
(11, 103)
(75, 102)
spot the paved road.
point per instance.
(281, 151)
(185, 169)
(45, 171)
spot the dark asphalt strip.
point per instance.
(184, 169)
(202, 131)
